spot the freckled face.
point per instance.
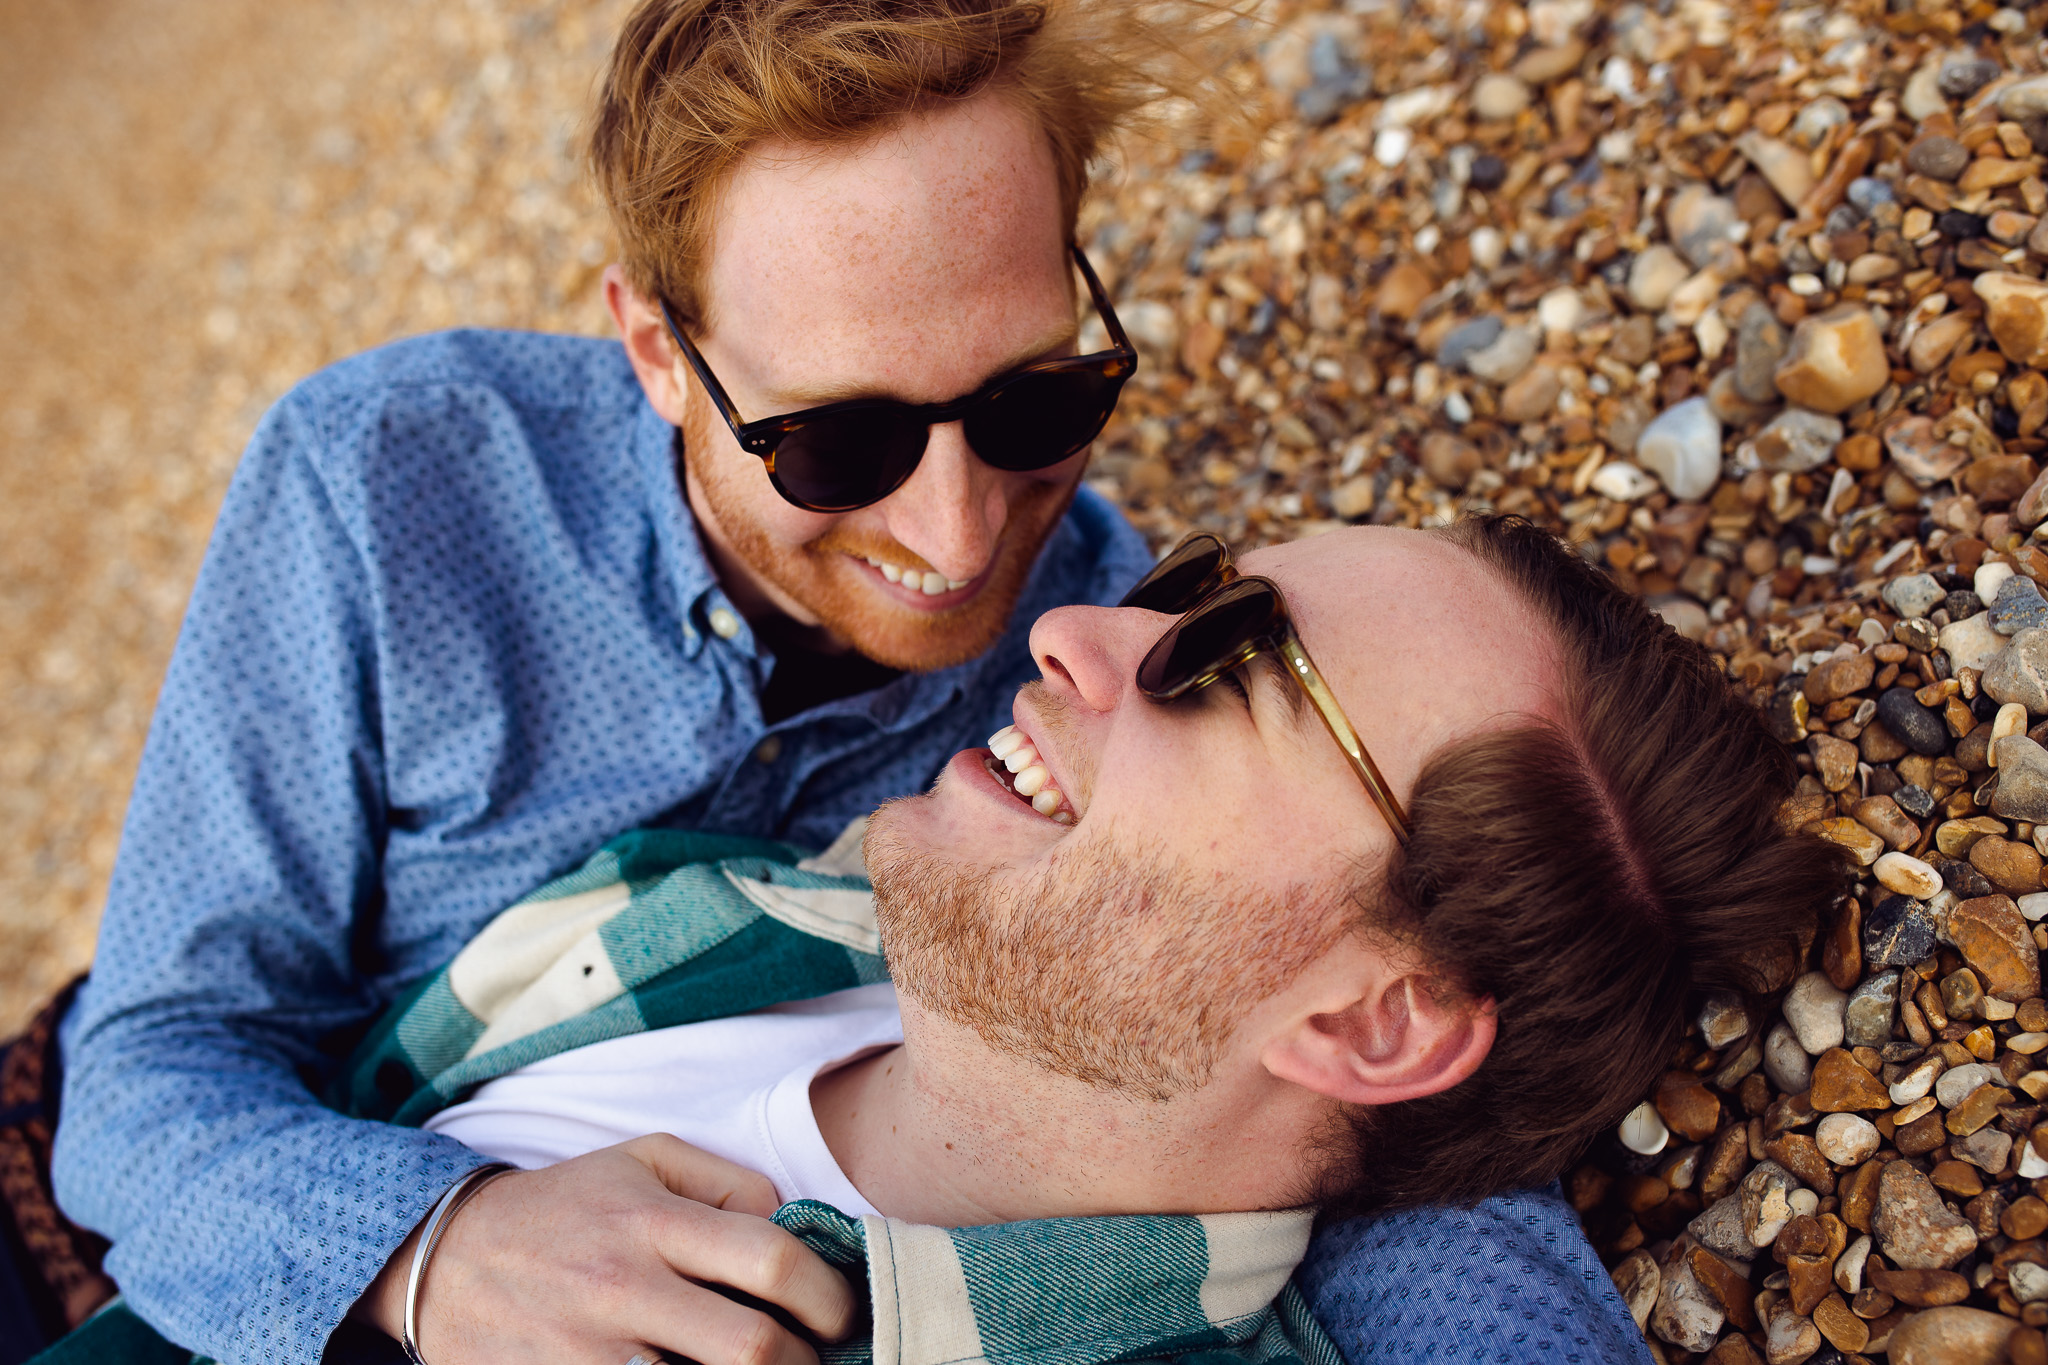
(915, 266)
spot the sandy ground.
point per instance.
(202, 203)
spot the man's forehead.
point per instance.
(945, 228)
(1416, 621)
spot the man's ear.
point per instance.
(648, 345)
(1399, 1041)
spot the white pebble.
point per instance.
(1990, 578)
(1643, 1130)
(1907, 875)
(1622, 482)
(2036, 905)
(1457, 408)
(1803, 1202)
(2028, 1043)
(1805, 284)
(2010, 720)
(2032, 1167)
(1682, 446)
(1390, 146)
(1489, 248)
(1846, 1139)
(1561, 310)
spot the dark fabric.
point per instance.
(116, 1337)
(50, 1278)
(804, 678)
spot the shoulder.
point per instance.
(529, 369)
(1510, 1279)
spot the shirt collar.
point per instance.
(1065, 1291)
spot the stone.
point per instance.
(1918, 1080)
(1995, 480)
(1882, 815)
(1542, 65)
(2013, 868)
(2020, 673)
(1402, 290)
(2019, 607)
(1800, 1155)
(1838, 678)
(1642, 1130)
(1797, 441)
(1759, 345)
(1654, 276)
(1961, 995)
(1913, 595)
(1840, 1083)
(1907, 875)
(1449, 460)
(1920, 1288)
(1971, 642)
(1687, 1107)
(2016, 314)
(1951, 1335)
(1846, 1139)
(2022, 781)
(1958, 1083)
(1963, 76)
(1934, 343)
(1531, 396)
(1814, 1008)
(1498, 95)
(1561, 310)
(1843, 1329)
(1637, 1279)
(1934, 155)
(1727, 1285)
(1897, 932)
(2024, 99)
(2025, 1217)
(1867, 1021)
(1786, 169)
(1790, 1338)
(1466, 338)
(1684, 1315)
(1785, 1062)
(1699, 223)
(1993, 938)
(1506, 357)
(1682, 447)
(1767, 1202)
(1920, 454)
(1835, 361)
(1921, 99)
(1915, 1230)
(1719, 1229)
(1987, 1149)
(1835, 761)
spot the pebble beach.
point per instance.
(1746, 301)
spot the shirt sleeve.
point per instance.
(1512, 1279)
(240, 928)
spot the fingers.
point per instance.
(696, 1174)
(757, 1258)
(702, 1325)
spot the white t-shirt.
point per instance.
(739, 1088)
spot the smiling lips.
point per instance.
(929, 583)
(1014, 762)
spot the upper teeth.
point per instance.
(1032, 778)
(931, 584)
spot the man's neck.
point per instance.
(944, 1131)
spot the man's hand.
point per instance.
(619, 1251)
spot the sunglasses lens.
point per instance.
(850, 459)
(1036, 420)
(1206, 640)
(1179, 580)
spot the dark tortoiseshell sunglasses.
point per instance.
(1226, 619)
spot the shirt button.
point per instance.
(769, 749)
(724, 624)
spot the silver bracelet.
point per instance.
(443, 1213)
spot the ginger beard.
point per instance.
(1115, 965)
(827, 576)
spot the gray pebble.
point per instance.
(1868, 1020)
(1916, 727)
(1897, 932)
(2019, 607)
(1466, 338)
(1914, 595)
(1785, 1062)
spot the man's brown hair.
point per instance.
(694, 84)
(1587, 874)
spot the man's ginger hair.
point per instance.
(695, 84)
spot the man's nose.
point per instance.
(952, 509)
(1095, 651)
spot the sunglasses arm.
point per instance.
(1340, 730)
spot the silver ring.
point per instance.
(642, 1358)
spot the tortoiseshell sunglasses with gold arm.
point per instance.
(1227, 619)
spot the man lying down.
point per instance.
(1400, 911)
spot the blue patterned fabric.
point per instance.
(1510, 1281)
(453, 632)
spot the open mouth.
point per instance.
(924, 581)
(1013, 761)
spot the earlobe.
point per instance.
(1398, 1043)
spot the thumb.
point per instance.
(696, 1174)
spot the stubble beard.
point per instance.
(1111, 967)
(813, 577)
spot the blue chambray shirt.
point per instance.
(454, 630)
